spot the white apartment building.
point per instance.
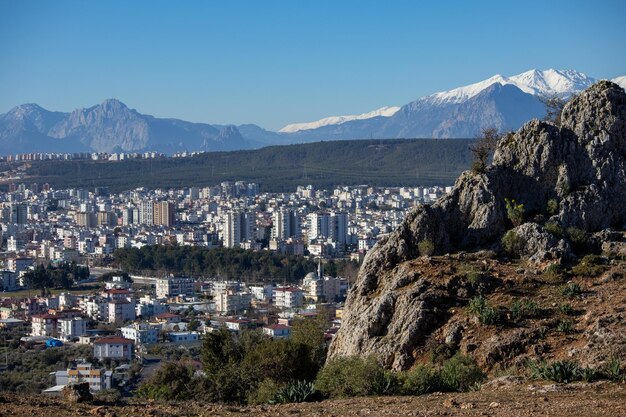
(72, 328)
(183, 337)
(149, 307)
(113, 347)
(234, 302)
(288, 297)
(173, 286)
(141, 333)
(121, 310)
(44, 325)
(285, 224)
(218, 287)
(261, 292)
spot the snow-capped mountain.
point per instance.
(386, 111)
(534, 82)
(500, 101)
(621, 81)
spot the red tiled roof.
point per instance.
(111, 340)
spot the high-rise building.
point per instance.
(127, 216)
(232, 229)
(19, 213)
(339, 227)
(146, 213)
(86, 219)
(164, 213)
(318, 226)
(238, 227)
(285, 224)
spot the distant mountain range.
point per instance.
(502, 102)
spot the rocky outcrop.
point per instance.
(581, 165)
(77, 393)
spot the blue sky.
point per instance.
(278, 62)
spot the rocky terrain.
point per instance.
(505, 399)
(568, 182)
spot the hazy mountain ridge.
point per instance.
(107, 127)
(499, 101)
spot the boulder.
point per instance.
(77, 393)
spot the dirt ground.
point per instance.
(526, 399)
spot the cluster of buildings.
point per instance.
(120, 320)
(64, 225)
(77, 156)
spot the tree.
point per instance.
(39, 279)
(554, 106)
(483, 148)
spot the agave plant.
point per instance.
(560, 371)
(294, 392)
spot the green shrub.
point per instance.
(426, 247)
(565, 326)
(489, 315)
(486, 314)
(172, 381)
(265, 392)
(521, 309)
(554, 228)
(560, 371)
(566, 308)
(588, 374)
(590, 266)
(571, 290)
(614, 370)
(440, 352)
(578, 237)
(476, 305)
(460, 373)
(513, 244)
(385, 383)
(552, 207)
(108, 396)
(420, 380)
(553, 273)
(514, 211)
(350, 377)
(294, 392)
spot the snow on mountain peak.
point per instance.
(535, 82)
(621, 81)
(386, 111)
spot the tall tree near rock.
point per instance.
(483, 148)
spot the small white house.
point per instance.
(277, 331)
(183, 337)
(113, 347)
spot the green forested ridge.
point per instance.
(225, 263)
(406, 162)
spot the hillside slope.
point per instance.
(277, 168)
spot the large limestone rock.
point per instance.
(77, 392)
(581, 164)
